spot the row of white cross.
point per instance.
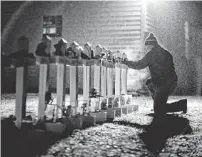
(104, 73)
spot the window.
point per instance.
(52, 26)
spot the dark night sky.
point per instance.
(7, 9)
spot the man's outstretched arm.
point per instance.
(141, 64)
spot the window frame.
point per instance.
(53, 22)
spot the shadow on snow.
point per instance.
(159, 130)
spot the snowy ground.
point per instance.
(136, 134)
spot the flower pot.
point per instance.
(56, 128)
(118, 111)
(135, 107)
(88, 121)
(76, 122)
(100, 117)
(111, 113)
(130, 109)
(124, 110)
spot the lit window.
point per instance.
(52, 26)
(52, 30)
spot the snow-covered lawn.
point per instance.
(129, 135)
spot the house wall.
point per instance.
(196, 59)
(117, 25)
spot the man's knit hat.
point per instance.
(151, 40)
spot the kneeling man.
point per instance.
(163, 77)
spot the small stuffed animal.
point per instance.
(109, 56)
(87, 50)
(124, 57)
(98, 50)
(44, 48)
(104, 104)
(48, 99)
(60, 47)
(67, 111)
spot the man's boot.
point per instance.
(177, 106)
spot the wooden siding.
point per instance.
(119, 25)
(115, 25)
(149, 20)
